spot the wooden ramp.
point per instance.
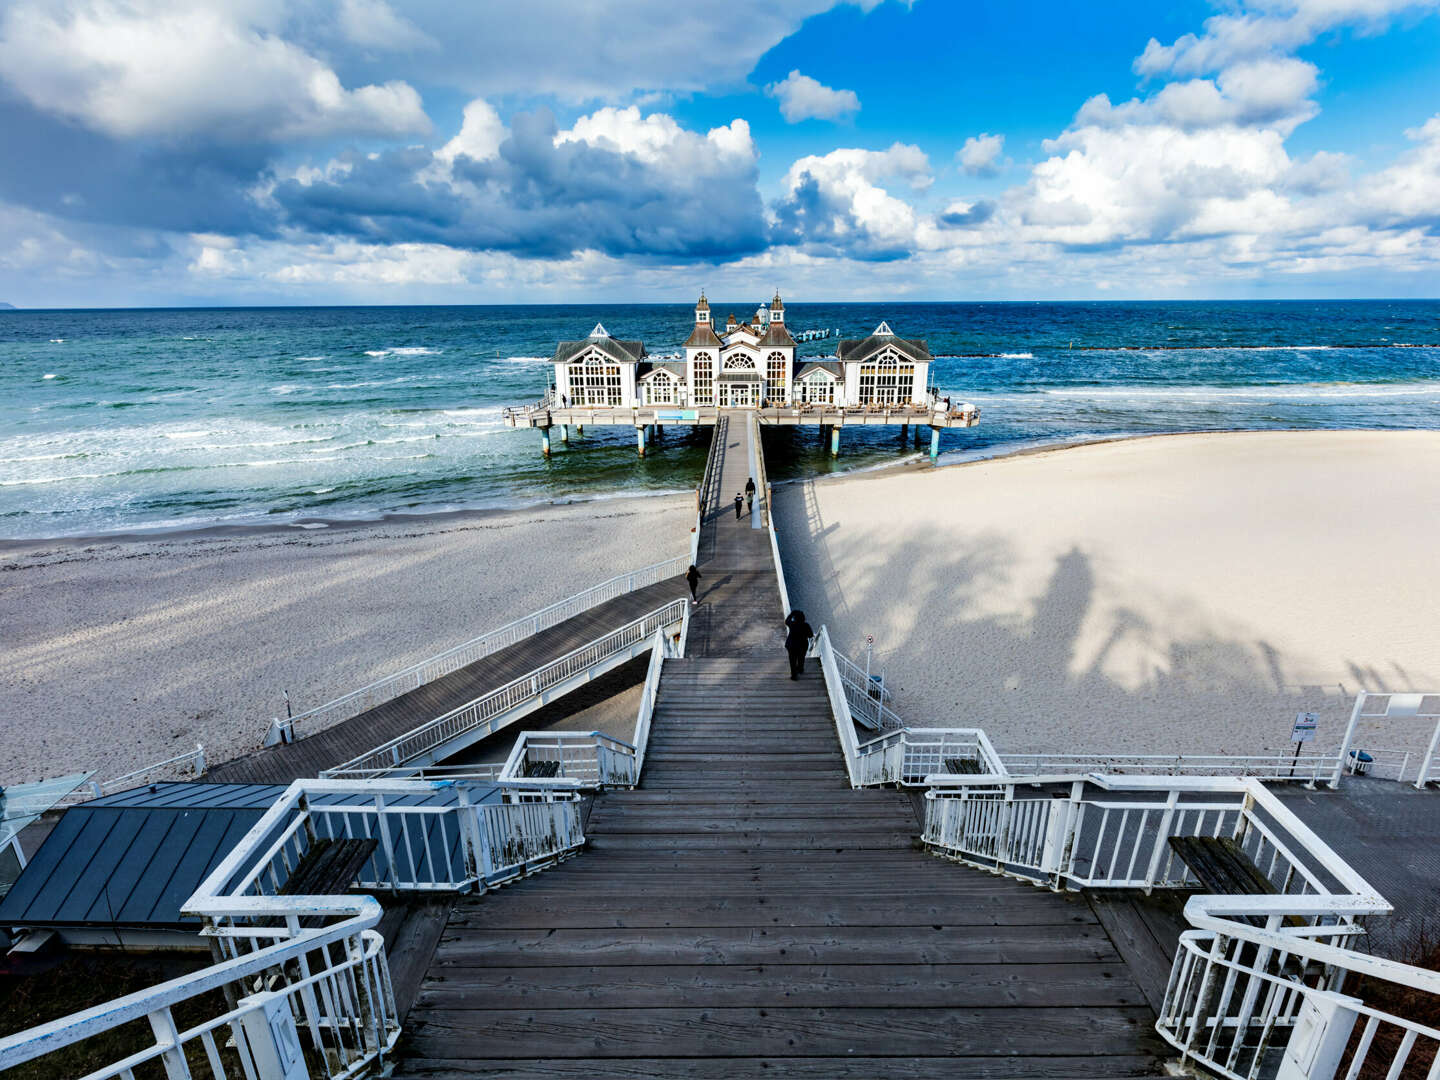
(343, 741)
(746, 914)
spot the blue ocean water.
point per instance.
(120, 420)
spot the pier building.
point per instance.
(882, 378)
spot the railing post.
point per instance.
(1162, 839)
(383, 832)
(472, 837)
(162, 1023)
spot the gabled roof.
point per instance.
(702, 337)
(674, 367)
(852, 351)
(831, 367)
(776, 335)
(625, 352)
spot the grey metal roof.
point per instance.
(853, 350)
(777, 335)
(834, 367)
(131, 859)
(675, 367)
(626, 352)
(702, 337)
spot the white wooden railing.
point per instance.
(305, 979)
(590, 758)
(709, 478)
(766, 496)
(476, 719)
(1307, 768)
(908, 756)
(468, 652)
(1255, 990)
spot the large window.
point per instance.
(777, 375)
(886, 380)
(818, 387)
(595, 382)
(739, 362)
(703, 389)
(660, 389)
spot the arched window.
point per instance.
(703, 385)
(886, 379)
(739, 362)
(595, 381)
(818, 387)
(660, 389)
(777, 377)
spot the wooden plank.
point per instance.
(850, 1067)
(1148, 963)
(691, 1032)
(936, 944)
(836, 985)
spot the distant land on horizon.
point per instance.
(7, 307)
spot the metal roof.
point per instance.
(624, 352)
(131, 859)
(852, 350)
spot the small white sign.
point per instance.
(869, 640)
(1304, 727)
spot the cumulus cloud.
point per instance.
(835, 202)
(156, 68)
(804, 98)
(981, 155)
(962, 215)
(616, 182)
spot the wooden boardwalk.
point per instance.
(744, 913)
(306, 757)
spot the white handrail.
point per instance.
(1233, 989)
(1307, 768)
(477, 648)
(481, 711)
(768, 517)
(839, 706)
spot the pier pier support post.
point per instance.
(565, 433)
(580, 430)
(834, 440)
(904, 431)
(934, 443)
(545, 441)
(640, 439)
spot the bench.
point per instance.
(329, 867)
(542, 769)
(967, 766)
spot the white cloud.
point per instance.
(481, 132)
(836, 200)
(374, 24)
(981, 155)
(661, 143)
(804, 98)
(157, 68)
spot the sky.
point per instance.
(182, 152)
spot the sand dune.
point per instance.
(1181, 593)
(117, 655)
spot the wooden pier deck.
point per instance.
(307, 756)
(744, 913)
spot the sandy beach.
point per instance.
(1177, 593)
(121, 653)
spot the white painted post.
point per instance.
(934, 443)
(834, 440)
(1161, 841)
(1429, 757)
(1349, 735)
(545, 441)
(162, 1023)
(640, 440)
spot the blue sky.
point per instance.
(373, 151)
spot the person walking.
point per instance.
(692, 578)
(750, 495)
(739, 505)
(797, 641)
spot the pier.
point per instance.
(743, 912)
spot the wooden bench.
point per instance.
(542, 769)
(329, 867)
(968, 766)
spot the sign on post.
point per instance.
(1304, 727)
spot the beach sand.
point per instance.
(120, 654)
(1179, 593)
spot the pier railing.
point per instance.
(1256, 986)
(430, 742)
(477, 648)
(1305, 768)
(766, 496)
(302, 985)
(709, 482)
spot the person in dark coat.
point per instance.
(797, 641)
(750, 494)
(692, 578)
(739, 504)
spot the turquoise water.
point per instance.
(117, 420)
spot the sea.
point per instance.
(132, 420)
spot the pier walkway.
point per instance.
(744, 913)
(325, 749)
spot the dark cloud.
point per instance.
(978, 213)
(541, 199)
(75, 174)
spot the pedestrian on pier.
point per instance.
(750, 495)
(692, 578)
(797, 641)
(739, 504)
